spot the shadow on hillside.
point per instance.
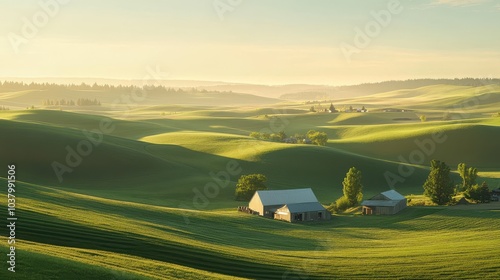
(194, 225)
(50, 230)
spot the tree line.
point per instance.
(17, 86)
(79, 102)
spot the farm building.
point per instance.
(289, 205)
(386, 203)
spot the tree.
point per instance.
(468, 175)
(248, 184)
(275, 137)
(423, 118)
(352, 187)
(316, 137)
(439, 186)
(332, 108)
(478, 193)
(282, 136)
(255, 135)
(312, 109)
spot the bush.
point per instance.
(341, 204)
(478, 193)
(255, 135)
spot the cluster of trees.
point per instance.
(352, 189)
(320, 108)
(275, 137)
(440, 189)
(248, 184)
(3, 108)
(332, 109)
(318, 101)
(311, 137)
(79, 102)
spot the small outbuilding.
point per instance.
(386, 203)
(299, 212)
(289, 205)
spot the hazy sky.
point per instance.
(258, 41)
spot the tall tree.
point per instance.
(248, 184)
(468, 174)
(353, 187)
(439, 186)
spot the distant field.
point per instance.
(130, 208)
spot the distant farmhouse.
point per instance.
(294, 205)
(386, 203)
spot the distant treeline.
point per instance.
(373, 88)
(79, 102)
(17, 86)
(3, 108)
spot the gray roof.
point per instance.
(303, 207)
(393, 195)
(381, 203)
(282, 197)
(393, 198)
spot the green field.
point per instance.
(130, 209)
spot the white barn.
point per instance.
(289, 205)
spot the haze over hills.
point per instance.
(286, 91)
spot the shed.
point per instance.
(298, 212)
(386, 203)
(267, 202)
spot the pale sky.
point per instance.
(252, 41)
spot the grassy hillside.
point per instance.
(111, 239)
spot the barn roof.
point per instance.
(385, 199)
(393, 195)
(303, 207)
(282, 197)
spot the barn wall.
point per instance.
(270, 209)
(400, 206)
(284, 217)
(256, 205)
(379, 210)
